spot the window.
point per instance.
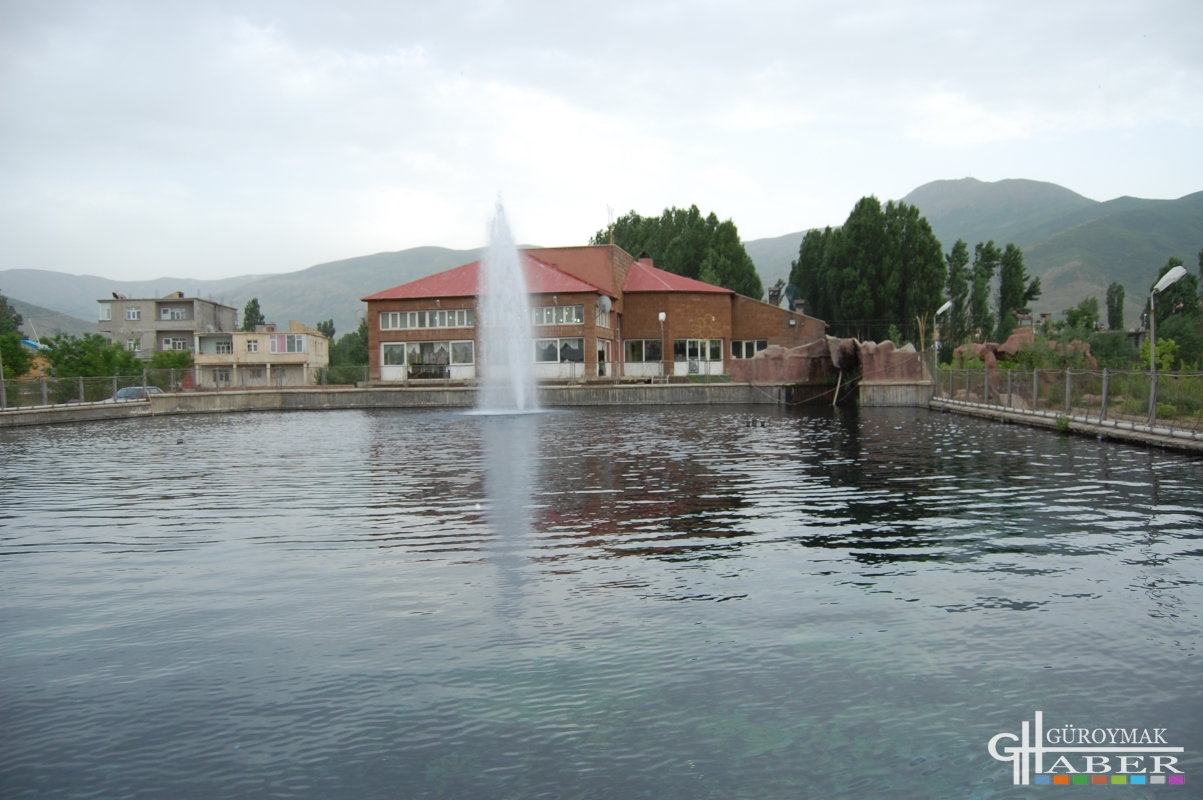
(252, 345)
(174, 314)
(602, 319)
(698, 349)
(224, 348)
(559, 315)
(392, 355)
(287, 343)
(221, 375)
(560, 350)
(175, 344)
(133, 314)
(747, 348)
(256, 373)
(640, 350)
(134, 345)
(454, 318)
(463, 353)
(428, 352)
(106, 312)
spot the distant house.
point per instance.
(265, 357)
(597, 312)
(150, 325)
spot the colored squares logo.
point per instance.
(1113, 780)
(1060, 779)
(1119, 778)
(1139, 779)
(1177, 780)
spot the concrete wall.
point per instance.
(910, 394)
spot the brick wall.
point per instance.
(752, 319)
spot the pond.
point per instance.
(679, 602)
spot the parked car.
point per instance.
(137, 393)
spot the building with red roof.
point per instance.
(597, 313)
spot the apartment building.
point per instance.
(267, 356)
(150, 325)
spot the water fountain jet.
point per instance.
(507, 347)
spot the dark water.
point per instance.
(590, 604)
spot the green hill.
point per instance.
(42, 322)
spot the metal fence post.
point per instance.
(1106, 388)
(986, 387)
(114, 387)
(1009, 388)
(1153, 401)
(44, 400)
(1069, 387)
(81, 388)
(3, 395)
(171, 380)
(144, 382)
(1035, 390)
(966, 385)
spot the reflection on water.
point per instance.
(597, 603)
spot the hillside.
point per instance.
(43, 322)
(774, 257)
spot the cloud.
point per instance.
(140, 138)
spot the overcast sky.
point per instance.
(202, 139)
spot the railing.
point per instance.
(32, 392)
(1168, 402)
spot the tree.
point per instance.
(1084, 316)
(956, 319)
(14, 356)
(1180, 315)
(883, 266)
(1015, 290)
(10, 320)
(326, 329)
(684, 242)
(352, 349)
(251, 315)
(1115, 307)
(171, 359)
(89, 356)
(985, 264)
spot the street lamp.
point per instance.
(663, 349)
(1167, 280)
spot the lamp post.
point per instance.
(663, 349)
(1167, 280)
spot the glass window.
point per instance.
(133, 313)
(572, 350)
(106, 311)
(716, 350)
(678, 349)
(653, 350)
(692, 350)
(176, 313)
(547, 350)
(225, 348)
(421, 319)
(634, 350)
(462, 352)
(414, 353)
(392, 355)
(294, 343)
(471, 318)
(252, 345)
(762, 344)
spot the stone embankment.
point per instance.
(318, 399)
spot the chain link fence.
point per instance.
(1098, 396)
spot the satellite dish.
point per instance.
(603, 304)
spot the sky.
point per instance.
(214, 139)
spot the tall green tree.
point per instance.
(15, 357)
(326, 328)
(684, 242)
(1084, 317)
(1115, 307)
(251, 315)
(956, 320)
(89, 356)
(985, 264)
(1016, 290)
(10, 320)
(883, 267)
(352, 349)
(1180, 315)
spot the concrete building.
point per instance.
(265, 357)
(147, 326)
(597, 313)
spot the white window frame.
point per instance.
(558, 315)
(643, 351)
(559, 345)
(106, 312)
(223, 348)
(252, 345)
(133, 314)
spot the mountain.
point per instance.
(42, 322)
(773, 257)
(1077, 246)
(77, 294)
(333, 290)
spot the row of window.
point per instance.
(558, 315)
(133, 314)
(650, 350)
(414, 354)
(454, 318)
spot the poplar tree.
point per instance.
(1015, 290)
(985, 264)
(251, 315)
(1115, 307)
(956, 320)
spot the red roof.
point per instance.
(464, 281)
(643, 277)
